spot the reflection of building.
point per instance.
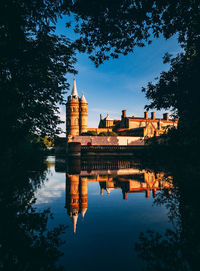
(128, 180)
(76, 197)
(143, 182)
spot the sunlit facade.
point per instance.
(76, 120)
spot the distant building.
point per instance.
(138, 126)
(76, 121)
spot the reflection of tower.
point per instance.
(76, 197)
(83, 196)
(72, 198)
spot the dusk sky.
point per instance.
(116, 84)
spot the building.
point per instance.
(76, 113)
(76, 121)
(138, 126)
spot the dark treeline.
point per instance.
(34, 60)
(26, 241)
(33, 64)
(177, 248)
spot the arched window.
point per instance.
(76, 122)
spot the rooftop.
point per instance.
(108, 117)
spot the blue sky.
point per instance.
(116, 84)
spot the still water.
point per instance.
(111, 213)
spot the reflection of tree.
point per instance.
(162, 252)
(171, 202)
(178, 248)
(26, 243)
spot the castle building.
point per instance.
(76, 113)
(138, 126)
(76, 121)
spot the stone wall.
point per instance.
(108, 140)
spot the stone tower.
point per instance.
(83, 115)
(76, 113)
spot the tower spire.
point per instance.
(74, 221)
(83, 100)
(74, 89)
(84, 210)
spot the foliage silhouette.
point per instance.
(34, 62)
(89, 133)
(108, 134)
(178, 248)
(110, 28)
(26, 243)
(178, 89)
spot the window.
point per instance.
(150, 131)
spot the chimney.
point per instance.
(123, 113)
(153, 115)
(101, 117)
(146, 115)
(147, 193)
(124, 195)
(166, 116)
(154, 193)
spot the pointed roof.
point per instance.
(109, 190)
(74, 89)
(74, 221)
(108, 117)
(84, 210)
(83, 100)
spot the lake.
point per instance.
(105, 205)
(100, 214)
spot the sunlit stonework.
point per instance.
(76, 120)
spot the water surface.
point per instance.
(105, 206)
